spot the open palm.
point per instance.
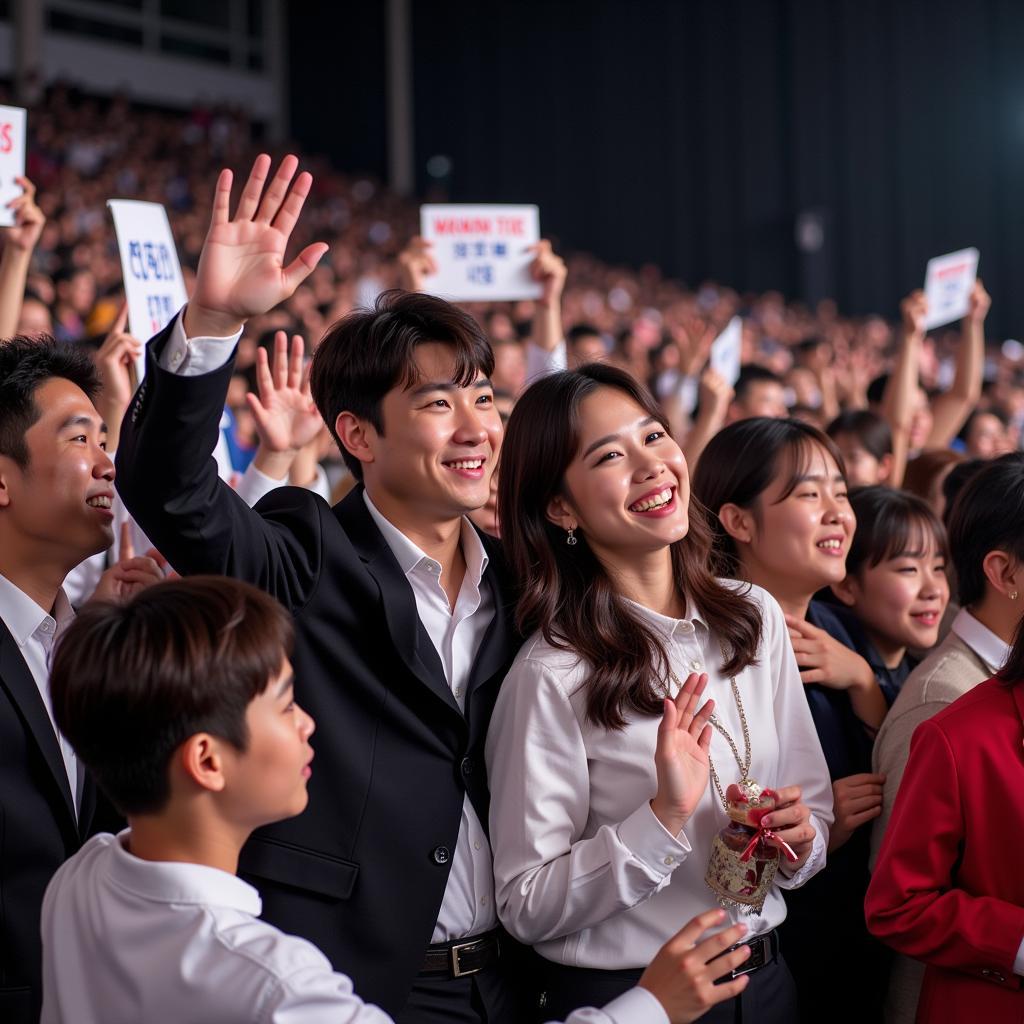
(241, 268)
(681, 756)
(286, 417)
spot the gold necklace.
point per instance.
(744, 764)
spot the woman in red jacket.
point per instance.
(948, 888)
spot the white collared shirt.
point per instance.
(985, 644)
(584, 871)
(468, 904)
(128, 940)
(35, 631)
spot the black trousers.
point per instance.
(484, 998)
(769, 998)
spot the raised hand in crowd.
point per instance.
(116, 360)
(682, 976)
(131, 573)
(714, 395)
(824, 660)
(681, 755)
(241, 268)
(283, 410)
(415, 264)
(548, 268)
(19, 241)
(857, 800)
(693, 336)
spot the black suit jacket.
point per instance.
(363, 870)
(38, 831)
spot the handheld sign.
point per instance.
(726, 351)
(12, 159)
(481, 251)
(153, 284)
(947, 286)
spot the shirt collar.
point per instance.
(22, 616)
(668, 626)
(985, 644)
(175, 882)
(411, 557)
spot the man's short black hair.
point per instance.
(578, 331)
(130, 683)
(25, 365)
(370, 351)
(750, 374)
(986, 516)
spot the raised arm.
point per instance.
(900, 391)
(951, 409)
(19, 242)
(166, 475)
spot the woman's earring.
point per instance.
(570, 538)
(1012, 595)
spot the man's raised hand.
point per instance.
(241, 268)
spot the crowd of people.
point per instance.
(636, 695)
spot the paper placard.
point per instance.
(948, 281)
(727, 351)
(481, 251)
(153, 284)
(12, 159)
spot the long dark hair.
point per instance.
(739, 465)
(566, 592)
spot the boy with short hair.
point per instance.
(181, 705)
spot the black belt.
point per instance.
(463, 956)
(764, 950)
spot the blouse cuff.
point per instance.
(651, 843)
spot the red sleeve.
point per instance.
(912, 903)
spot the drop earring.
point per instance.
(570, 537)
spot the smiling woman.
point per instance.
(596, 805)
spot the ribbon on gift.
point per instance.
(767, 833)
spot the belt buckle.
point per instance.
(455, 951)
(760, 951)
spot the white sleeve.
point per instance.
(314, 994)
(254, 484)
(548, 880)
(541, 361)
(637, 1006)
(190, 357)
(801, 761)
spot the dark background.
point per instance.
(693, 133)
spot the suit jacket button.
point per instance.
(441, 855)
(467, 766)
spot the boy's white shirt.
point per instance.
(128, 940)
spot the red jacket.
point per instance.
(949, 885)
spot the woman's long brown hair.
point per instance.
(566, 592)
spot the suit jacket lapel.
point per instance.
(16, 678)
(407, 633)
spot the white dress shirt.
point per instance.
(583, 869)
(35, 631)
(986, 645)
(468, 904)
(128, 940)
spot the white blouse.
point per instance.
(583, 869)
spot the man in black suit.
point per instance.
(403, 615)
(56, 486)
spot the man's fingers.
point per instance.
(250, 198)
(290, 209)
(126, 549)
(295, 364)
(856, 820)
(222, 198)
(264, 381)
(121, 320)
(303, 265)
(687, 936)
(277, 190)
(863, 778)
(280, 359)
(259, 410)
(861, 803)
(812, 675)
